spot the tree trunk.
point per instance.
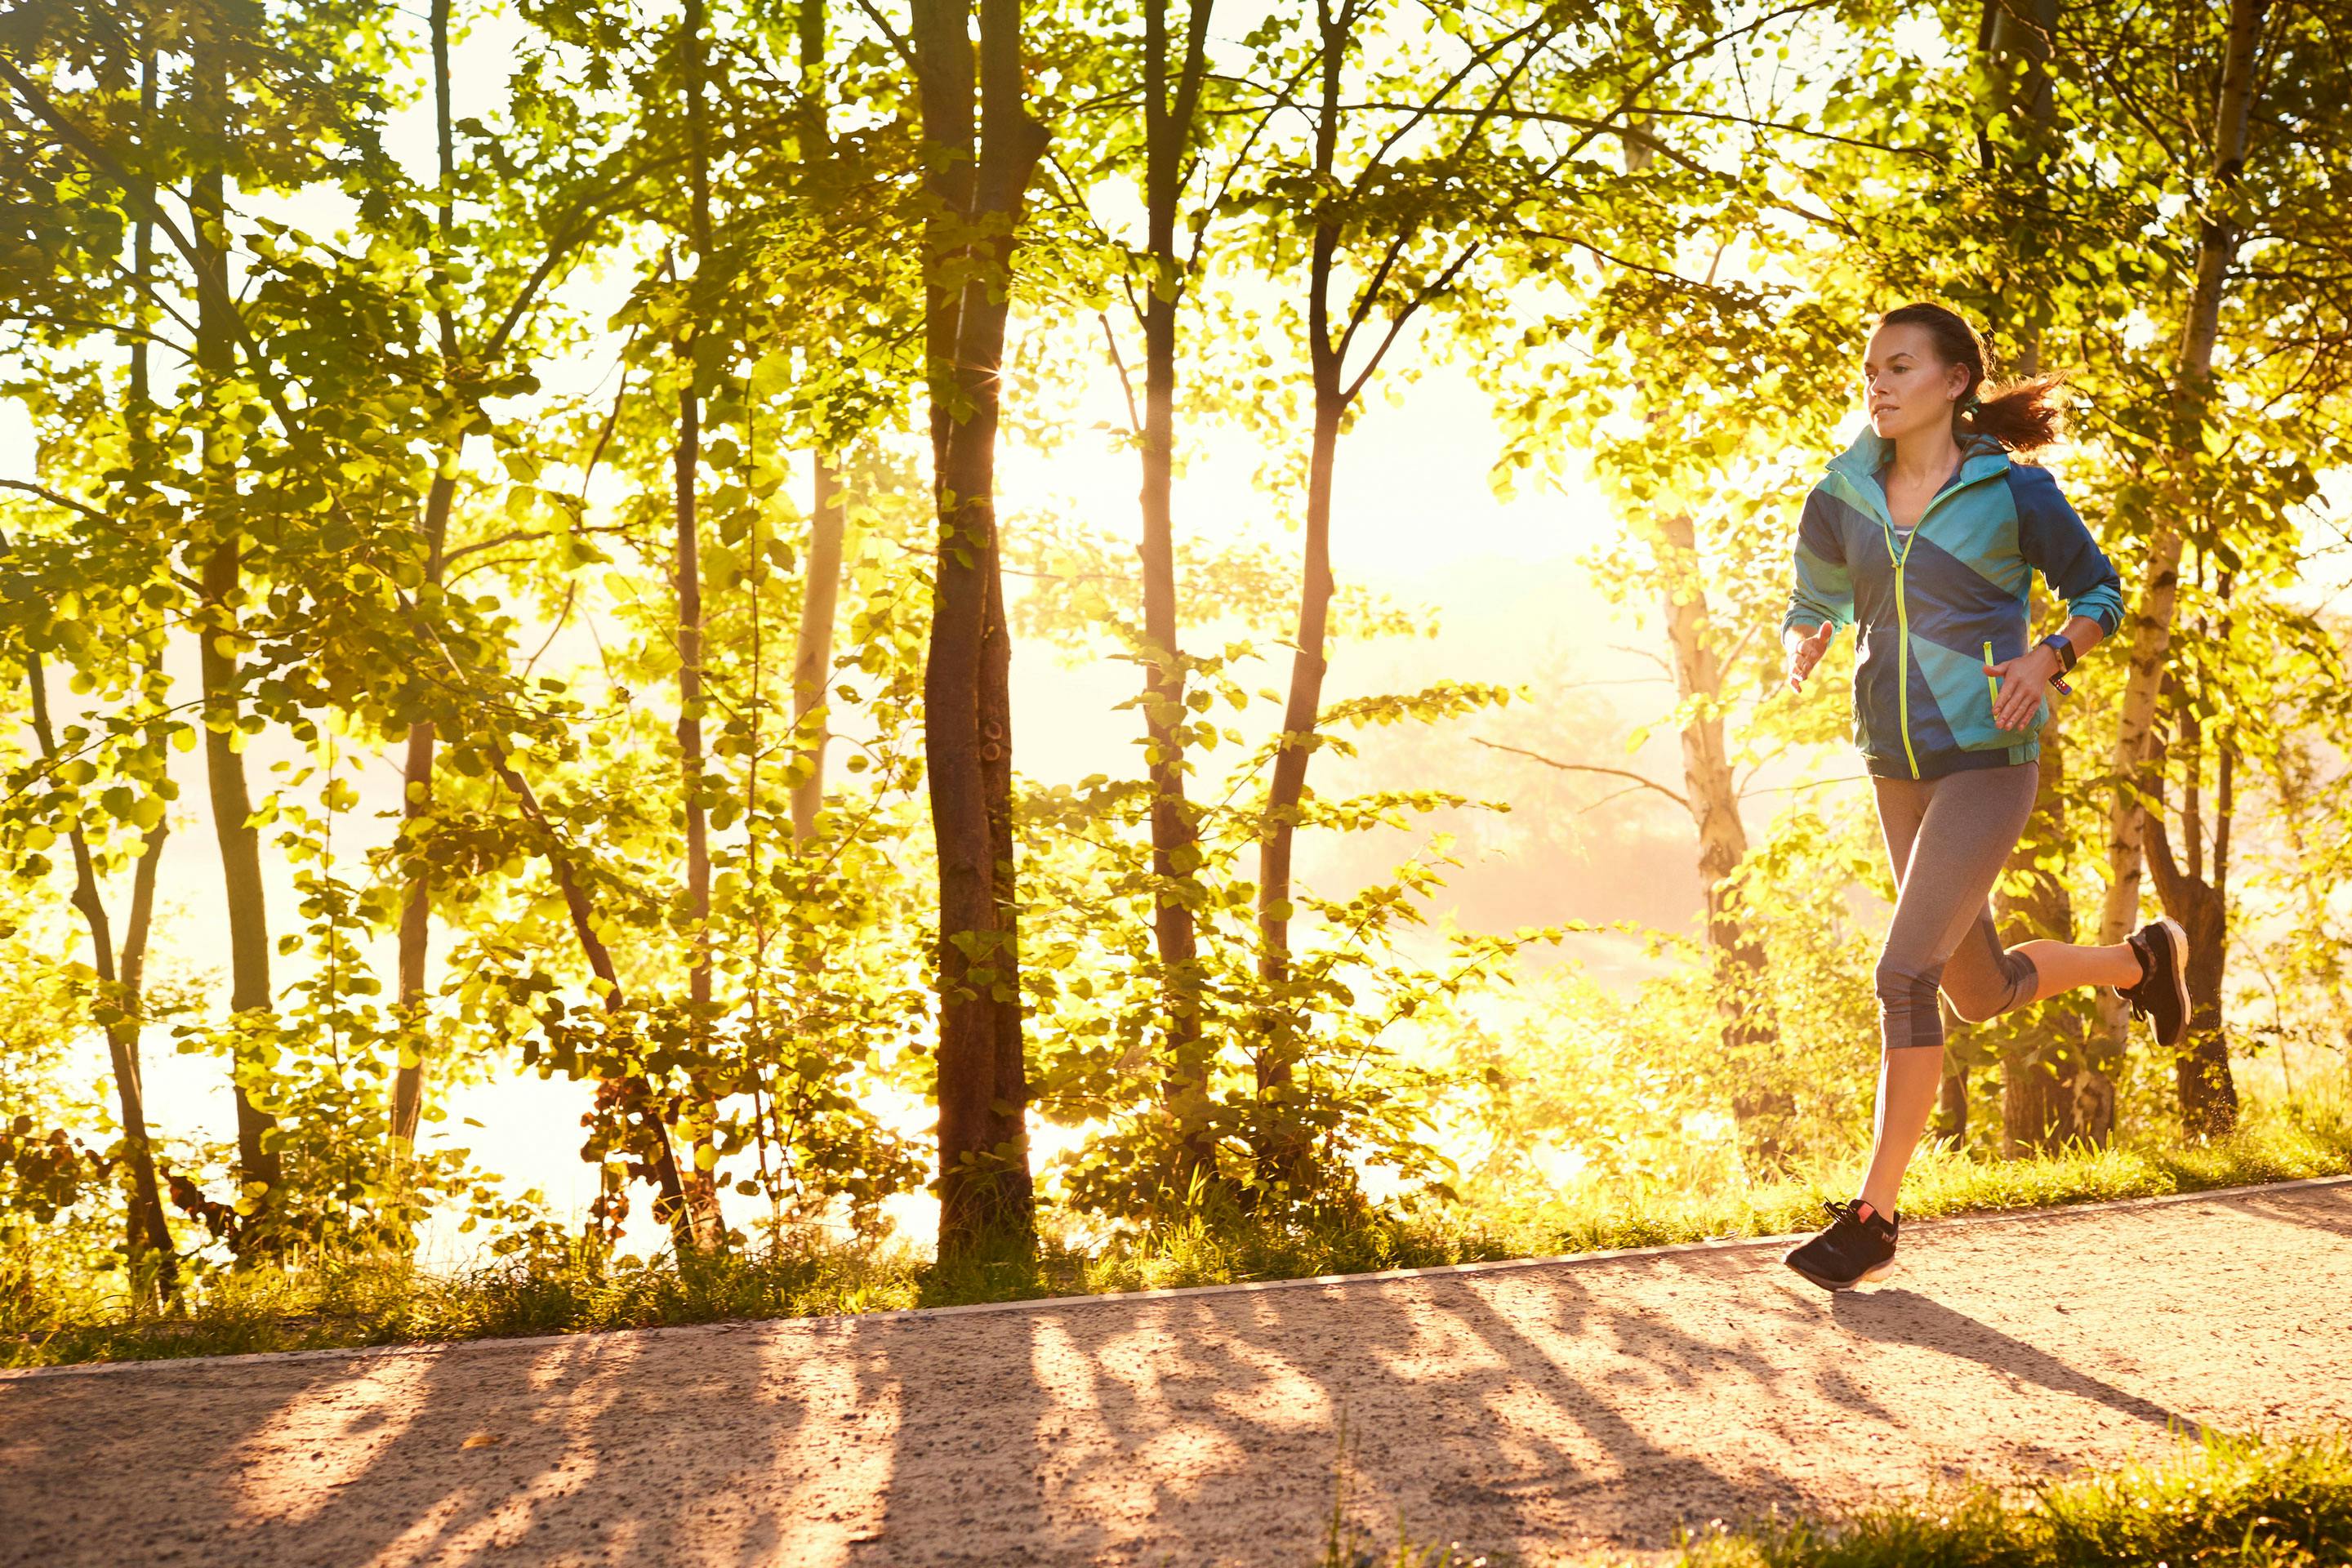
(1281, 1145)
(1711, 793)
(417, 773)
(2207, 1092)
(985, 1191)
(700, 1182)
(820, 600)
(812, 655)
(117, 1006)
(131, 975)
(415, 930)
(2151, 611)
(1168, 129)
(147, 1229)
(259, 1167)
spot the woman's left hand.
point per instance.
(2024, 682)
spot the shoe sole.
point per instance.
(1868, 1277)
(2177, 940)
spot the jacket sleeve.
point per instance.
(1824, 590)
(2054, 541)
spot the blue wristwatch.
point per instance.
(2059, 644)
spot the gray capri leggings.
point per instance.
(1949, 838)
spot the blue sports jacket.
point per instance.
(1935, 606)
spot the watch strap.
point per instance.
(2059, 644)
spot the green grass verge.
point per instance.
(354, 1302)
(2220, 1502)
(2242, 1502)
(2281, 1147)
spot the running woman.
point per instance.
(1925, 534)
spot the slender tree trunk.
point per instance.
(117, 1004)
(2208, 1091)
(2150, 612)
(701, 1185)
(812, 653)
(1168, 129)
(148, 1231)
(221, 551)
(416, 771)
(1282, 1145)
(985, 1189)
(828, 511)
(1710, 791)
(131, 975)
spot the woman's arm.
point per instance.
(2028, 677)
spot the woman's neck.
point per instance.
(1926, 456)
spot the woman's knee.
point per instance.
(1979, 993)
(1906, 1002)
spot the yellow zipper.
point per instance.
(1903, 639)
(1992, 685)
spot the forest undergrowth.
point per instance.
(2223, 1500)
(557, 1283)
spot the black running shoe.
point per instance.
(1858, 1246)
(2162, 995)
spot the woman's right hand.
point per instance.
(1804, 652)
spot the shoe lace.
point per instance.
(1850, 1212)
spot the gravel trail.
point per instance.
(1553, 1410)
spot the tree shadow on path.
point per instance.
(2325, 1208)
(1905, 1317)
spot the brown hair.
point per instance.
(2022, 416)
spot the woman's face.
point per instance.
(1906, 386)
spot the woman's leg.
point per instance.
(2063, 965)
(1908, 1083)
(1947, 854)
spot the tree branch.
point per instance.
(1638, 779)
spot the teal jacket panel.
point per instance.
(1933, 606)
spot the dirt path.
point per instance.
(1551, 1409)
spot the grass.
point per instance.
(339, 1302)
(2220, 1502)
(1942, 1182)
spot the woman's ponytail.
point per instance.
(2022, 416)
